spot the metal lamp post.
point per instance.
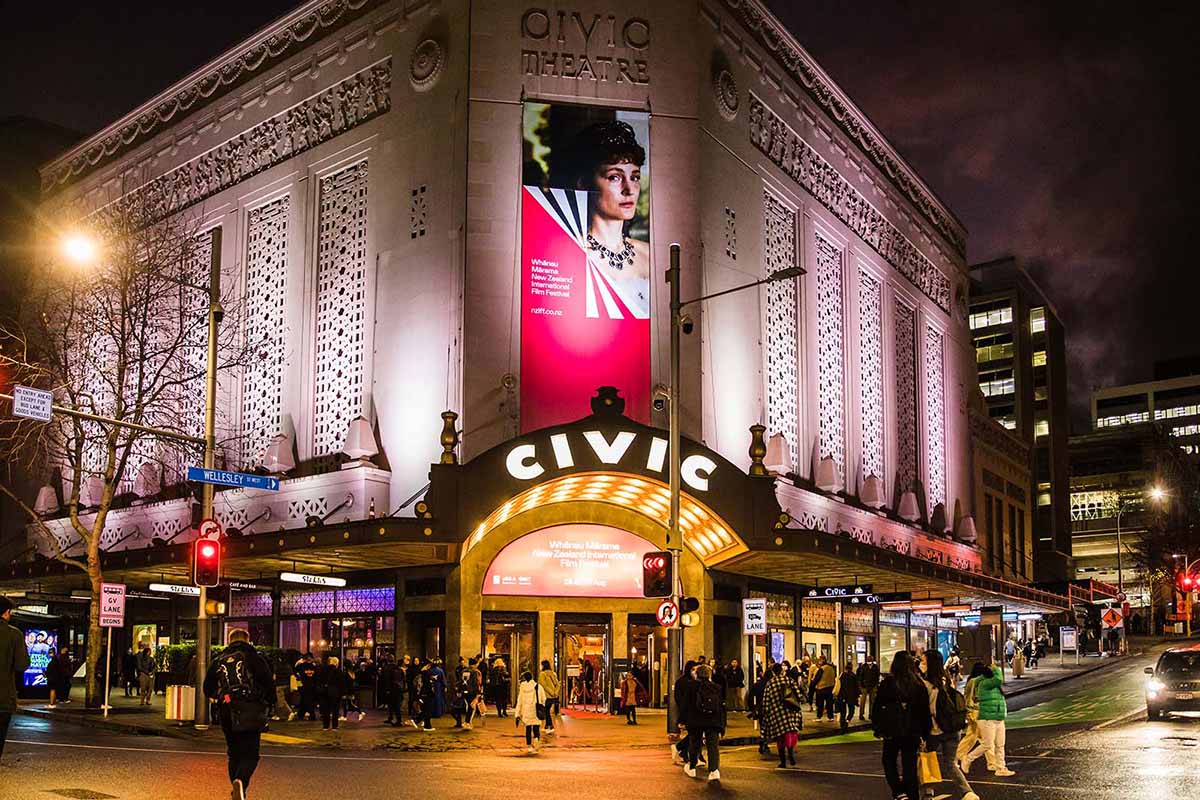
(674, 537)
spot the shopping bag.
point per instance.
(928, 770)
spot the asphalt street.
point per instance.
(1065, 741)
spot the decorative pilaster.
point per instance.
(449, 438)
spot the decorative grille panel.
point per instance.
(935, 416)
(418, 212)
(266, 290)
(870, 338)
(249, 604)
(856, 619)
(830, 373)
(731, 234)
(906, 396)
(298, 601)
(379, 598)
(341, 291)
(819, 615)
(779, 252)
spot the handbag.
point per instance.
(928, 769)
(539, 708)
(791, 700)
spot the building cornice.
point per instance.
(274, 43)
(802, 68)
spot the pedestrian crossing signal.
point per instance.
(206, 562)
(656, 574)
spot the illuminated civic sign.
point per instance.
(523, 461)
(577, 560)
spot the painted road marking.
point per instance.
(279, 738)
(219, 753)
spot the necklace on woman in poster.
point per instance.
(615, 260)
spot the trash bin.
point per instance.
(181, 703)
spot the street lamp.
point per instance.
(79, 248)
(682, 324)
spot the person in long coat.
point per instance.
(437, 680)
(781, 721)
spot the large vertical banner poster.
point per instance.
(585, 261)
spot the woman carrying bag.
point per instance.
(530, 710)
(901, 719)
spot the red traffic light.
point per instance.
(656, 575)
(206, 563)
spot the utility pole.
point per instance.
(674, 539)
(215, 313)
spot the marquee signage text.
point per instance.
(524, 461)
(584, 47)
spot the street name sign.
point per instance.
(240, 480)
(112, 605)
(754, 615)
(31, 403)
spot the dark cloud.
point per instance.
(1059, 132)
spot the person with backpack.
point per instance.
(954, 665)
(681, 695)
(847, 694)
(948, 710)
(971, 735)
(529, 710)
(551, 689)
(901, 719)
(868, 685)
(992, 711)
(705, 722)
(332, 684)
(242, 684)
(780, 715)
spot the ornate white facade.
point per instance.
(363, 160)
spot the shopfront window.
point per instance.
(893, 636)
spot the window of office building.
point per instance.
(997, 382)
(993, 348)
(1039, 358)
(991, 314)
(1041, 427)
(1037, 319)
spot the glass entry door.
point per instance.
(648, 660)
(582, 649)
(509, 638)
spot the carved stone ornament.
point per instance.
(783, 146)
(428, 59)
(804, 70)
(725, 91)
(289, 133)
(268, 49)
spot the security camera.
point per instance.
(661, 395)
(686, 325)
(659, 404)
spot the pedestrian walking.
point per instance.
(411, 673)
(971, 735)
(424, 693)
(529, 711)
(1018, 663)
(681, 695)
(241, 683)
(992, 712)
(1010, 647)
(332, 683)
(811, 675)
(754, 699)
(53, 676)
(629, 695)
(948, 713)
(350, 693)
(868, 685)
(954, 665)
(145, 673)
(901, 719)
(551, 690)
(705, 722)
(501, 686)
(847, 693)
(735, 685)
(283, 682)
(780, 716)
(397, 677)
(306, 672)
(14, 659)
(456, 695)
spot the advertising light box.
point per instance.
(585, 261)
(578, 560)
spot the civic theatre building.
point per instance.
(453, 220)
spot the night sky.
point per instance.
(1058, 132)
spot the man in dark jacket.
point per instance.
(242, 684)
(680, 695)
(14, 659)
(705, 720)
(868, 684)
(735, 683)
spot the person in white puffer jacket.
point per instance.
(529, 697)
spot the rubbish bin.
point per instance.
(181, 703)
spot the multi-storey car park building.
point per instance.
(1172, 399)
(1020, 349)
(457, 217)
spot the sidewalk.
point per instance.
(578, 729)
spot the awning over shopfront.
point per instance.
(815, 558)
(363, 545)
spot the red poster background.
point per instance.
(565, 355)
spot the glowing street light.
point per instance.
(1157, 493)
(79, 248)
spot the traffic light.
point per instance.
(657, 580)
(206, 562)
(1187, 581)
(688, 608)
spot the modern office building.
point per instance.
(440, 214)
(1020, 351)
(1172, 399)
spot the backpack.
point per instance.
(237, 695)
(708, 698)
(951, 710)
(891, 717)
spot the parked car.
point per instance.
(1174, 683)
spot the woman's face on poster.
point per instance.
(619, 186)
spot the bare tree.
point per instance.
(124, 337)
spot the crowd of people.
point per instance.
(1022, 654)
